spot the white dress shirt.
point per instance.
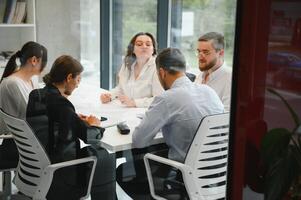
(142, 89)
(178, 112)
(220, 80)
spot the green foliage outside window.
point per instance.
(218, 16)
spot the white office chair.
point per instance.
(205, 168)
(34, 171)
(6, 170)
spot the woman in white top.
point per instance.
(16, 82)
(138, 81)
(15, 85)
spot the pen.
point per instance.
(114, 97)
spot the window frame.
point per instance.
(106, 19)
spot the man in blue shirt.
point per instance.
(177, 111)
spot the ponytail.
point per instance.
(47, 79)
(29, 50)
(11, 66)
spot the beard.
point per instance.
(162, 82)
(164, 86)
(208, 66)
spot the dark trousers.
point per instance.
(9, 155)
(137, 184)
(70, 183)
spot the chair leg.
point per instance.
(6, 186)
(6, 194)
(120, 193)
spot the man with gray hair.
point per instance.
(214, 73)
(177, 111)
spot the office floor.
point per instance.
(119, 192)
(122, 196)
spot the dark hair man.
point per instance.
(177, 111)
(51, 114)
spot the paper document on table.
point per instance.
(140, 115)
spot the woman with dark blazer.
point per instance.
(50, 107)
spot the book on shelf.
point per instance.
(9, 11)
(14, 12)
(20, 12)
(2, 10)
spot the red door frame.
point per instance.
(248, 90)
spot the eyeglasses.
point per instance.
(140, 44)
(204, 52)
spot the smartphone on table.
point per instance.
(103, 119)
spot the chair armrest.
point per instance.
(183, 168)
(6, 136)
(56, 166)
(165, 161)
(47, 177)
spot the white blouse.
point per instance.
(14, 93)
(144, 88)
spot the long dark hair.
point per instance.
(29, 50)
(60, 69)
(130, 57)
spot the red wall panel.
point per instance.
(267, 55)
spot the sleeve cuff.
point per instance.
(143, 103)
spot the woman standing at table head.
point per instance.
(65, 127)
(138, 81)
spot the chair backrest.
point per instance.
(32, 156)
(207, 157)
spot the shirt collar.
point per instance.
(213, 72)
(145, 66)
(180, 82)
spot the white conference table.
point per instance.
(86, 99)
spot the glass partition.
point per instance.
(191, 19)
(71, 27)
(130, 17)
